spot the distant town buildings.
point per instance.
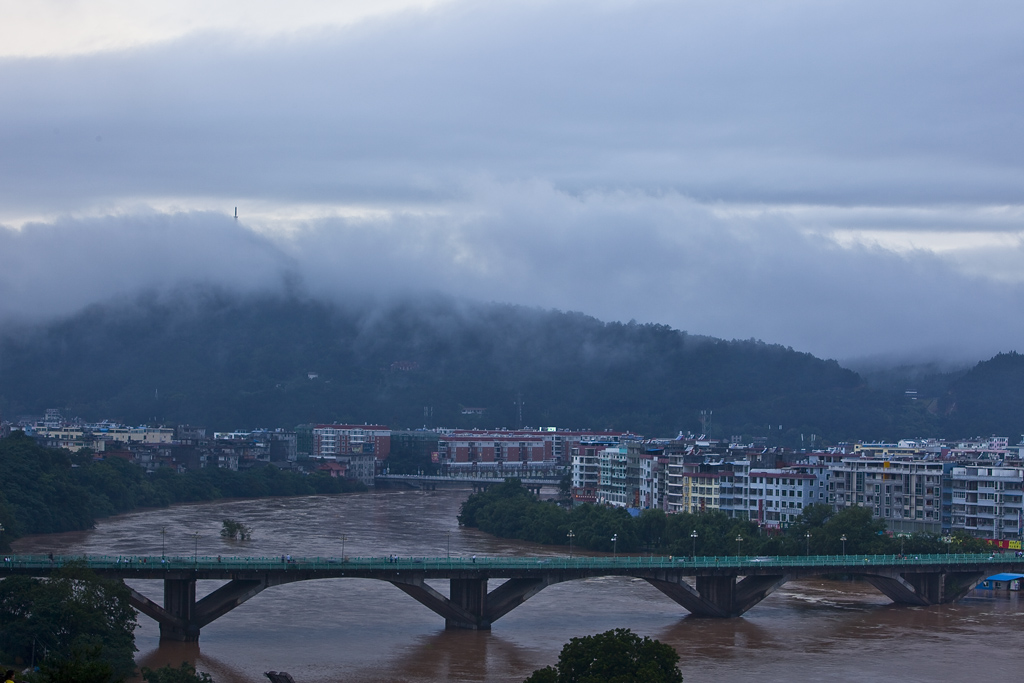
(914, 485)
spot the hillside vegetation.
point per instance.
(227, 362)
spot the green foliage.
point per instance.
(989, 399)
(510, 511)
(77, 618)
(226, 361)
(186, 673)
(84, 665)
(617, 656)
(235, 530)
(42, 492)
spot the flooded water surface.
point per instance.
(362, 630)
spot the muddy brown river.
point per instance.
(362, 630)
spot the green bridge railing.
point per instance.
(16, 563)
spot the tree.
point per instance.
(616, 656)
(565, 487)
(76, 617)
(235, 530)
(186, 673)
(85, 665)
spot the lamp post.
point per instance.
(449, 555)
(163, 541)
(344, 537)
(949, 540)
(808, 537)
(693, 537)
(739, 540)
(615, 545)
(570, 536)
(843, 539)
(195, 557)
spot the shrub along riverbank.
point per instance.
(510, 511)
(44, 490)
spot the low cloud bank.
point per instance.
(618, 255)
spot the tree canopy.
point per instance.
(510, 511)
(83, 623)
(226, 361)
(186, 673)
(616, 656)
(45, 490)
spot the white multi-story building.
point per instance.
(778, 496)
(646, 480)
(987, 501)
(586, 472)
(334, 440)
(612, 464)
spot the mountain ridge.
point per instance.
(229, 361)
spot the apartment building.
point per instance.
(778, 496)
(987, 501)
(613, 482)
(585, 468)
(905, 494)
(333, 440)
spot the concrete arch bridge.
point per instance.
(718, 587)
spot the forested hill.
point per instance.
(987, 400)
(228, 362)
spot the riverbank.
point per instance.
(47, 490)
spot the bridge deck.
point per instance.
(129, 566)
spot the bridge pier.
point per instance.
(719, 596)
(707, 587)
(182, 616)
(470, 605)
(470, 595)
(924, 588)
(179, 603)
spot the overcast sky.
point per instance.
(846, 178)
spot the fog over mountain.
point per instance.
(844, 178)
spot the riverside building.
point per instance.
(905, 494)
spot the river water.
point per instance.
(362, 630)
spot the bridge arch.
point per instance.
(720, 588)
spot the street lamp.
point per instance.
(571, 536)
(195, 557)
(693, 537)
(163, 541)
(949, 541)
(739, 540)
(808, 537)
(344, 537)
(449, 544)
(615, 544)
(843, 539)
